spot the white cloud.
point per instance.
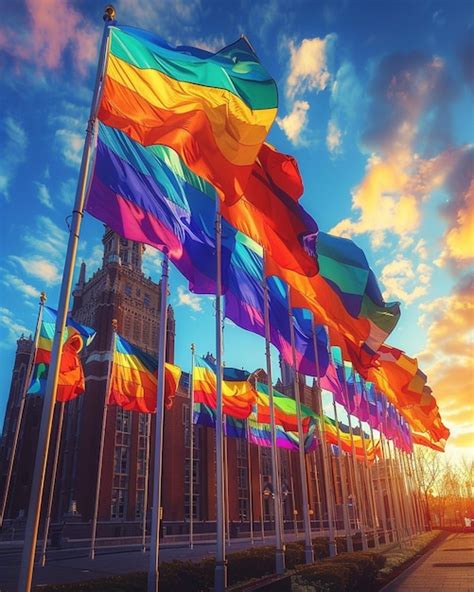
(308, 65)
(48, 239)
(40, 268)
(405, 281)
(70, 145)
(12, 281)
(294, 123)
(333, 138)
(13, 144)
(44, 195)
(67, 191)
(13, 327)
(151, 262)
(185, 298)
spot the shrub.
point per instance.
(252, 563)
(330, 577)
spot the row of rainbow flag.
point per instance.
(180, 139)
(181, 136)
(133, 386)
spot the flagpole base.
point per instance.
(308, 554)
(280, 561)
(349, 544)
(333, 548)
(220, 576)
(365, 545)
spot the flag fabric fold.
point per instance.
(215, 110)
(71, 381)
(134, 378)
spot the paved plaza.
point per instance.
(449, 567)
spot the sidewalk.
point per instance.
(449, 567)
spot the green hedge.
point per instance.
(347, 572)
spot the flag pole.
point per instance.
(226, 491)
(341, 467)
(249, 470)
(308, 547)
(318, 491)
(147, 481)
(153, 570)
(279, 548)
(390, 499)
(52, 485)
(21, 408)
(37, 487)
(102, 439)
(379, 490)
(191, 450)
(355, 469)
(368, 477)
(260, 481)
(322, 429)
(220, 573)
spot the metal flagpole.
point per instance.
(249, 470)
(318, 491)
(341, 470)
(36, 495)
(394, 517)
(293, 502)
(276, 480)
(191, 450)
(357, 482)
(52, 485)
(390, 499)
(226, 491)
(327, 484)
(153, 570)
(368, 480)
(379, 491)
(414, 492)
(409, 489)
(21, 408)
(367, 485)
(405, 493)
(416, 486)
(220, 574)
(398, 491)
(102, 440)
(262, 518)
(396, 497)
(147, 481)
(308, 548)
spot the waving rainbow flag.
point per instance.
(238, 393)
(135, 378)
(214, 109)
(71, 382)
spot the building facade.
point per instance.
(120, 291)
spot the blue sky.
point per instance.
(376, 105)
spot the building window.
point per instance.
(128, 290)
(146, 300)
(139, 504)
(119, 504)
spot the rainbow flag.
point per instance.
(330, 433)
(214, 109)
(238, 393)
(259, 433)
(256, 432)
(285, 410)
(271, 196)
(71, 382)
(134, 378)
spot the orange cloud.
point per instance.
(449, 360)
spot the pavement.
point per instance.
(449, 567)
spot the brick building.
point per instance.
(120, 290)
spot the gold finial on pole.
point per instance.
(193, 348)
(114, 324)
(43, 297)
(109, 13)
